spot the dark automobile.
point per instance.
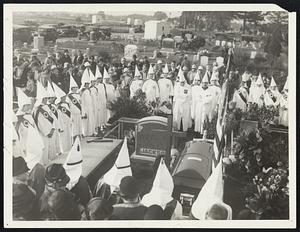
(67, 31)
(99, 33)
(49, 33)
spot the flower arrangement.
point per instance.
(264, 114)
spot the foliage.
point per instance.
(273, 46)
(264, 114)
(159, 15)
(137, 107)
(259, 160)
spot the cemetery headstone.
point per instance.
(129, 51)
(203, 60)
(218, 42)
(220, 61)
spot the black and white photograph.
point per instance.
(181, 115)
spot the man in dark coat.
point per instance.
(131, 208)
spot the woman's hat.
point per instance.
(128, 187)
(56, 174)
(19, 166)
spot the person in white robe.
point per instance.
(182, 104)
(57, 120)
(216, 89)
(110, 93)
(161, 194)
(95, 98)
(284, 106)
(88, 122)
(257, 92)
(240, 96)
(45, 124)
(165, 85)
(16, 148)
(74, 101)
(64, 114)
(196, 106)
(272, 95)
(102, 100)
(136, 83)
(150, 87)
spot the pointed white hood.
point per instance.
(85, 77)
(205, 78)
(92, 76)
(34, 147)
(105, 74)
(181, 76)
(150, 71)
(50, 91)
(259, 80)
(214, 76)
(166, 69)
(23, 99)
(137, 72)
(120, 169)
(73, 164)
(286, 85)
(72, 83)
(273, 83)
(162, 188)
(98, 73)
(58, 92)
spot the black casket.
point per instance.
(192, 170)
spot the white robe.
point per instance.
(136, 84)
(88, 123)
(44, 127)
(216, 90)
(102, 110)
(256, 95)
(182, 107)
(58, 126)
(111, 97)
(166, 89)
(95, 99)
(240, 104)
(150, 88)
(283, 110)
(75, 115)
(65, 135)
(269, 94)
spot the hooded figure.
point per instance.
(196, 107)
(216, 89)
(102, 100)
(240, 96)
(73, 166)
(95, 98)
(74, 101)
(272, 94)
(110, 93)
(57, 120)
(256, 94)
(120, 169)
(161, 194)
(191, 74)
(283, 106)
(88, 120)
(15, 137)
(166, 89)
(207, 97)
(64, 114)
(150, 87)
(136, 83)
(182, 104)
(45, 124)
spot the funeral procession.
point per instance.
(155, 115)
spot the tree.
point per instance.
(254, 17)
(274, 46)
(78, 19)
(159, 15)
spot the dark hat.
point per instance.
(99, 208)
(19, 166)
(23, 200)
(128, 187)
(56, 174)
(154, 212)
(66, 50)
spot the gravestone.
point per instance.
(153, 139)
(220, 61)
(218, 42)
(223, 43)
(129, 51)
(253, 54)
(203, 60)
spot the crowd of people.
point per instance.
(68, 97)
